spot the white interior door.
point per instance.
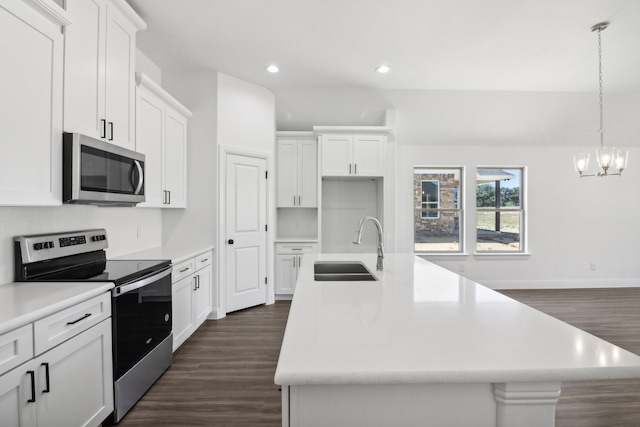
(246, 236)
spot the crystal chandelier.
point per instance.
(610, 160)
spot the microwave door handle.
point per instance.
(140, 177)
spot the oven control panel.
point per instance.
(42, 247)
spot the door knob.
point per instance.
(230, 241)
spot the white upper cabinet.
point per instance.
(297, 173)
(353, 155)
(161, 135)
(31, 49)
(99, 66)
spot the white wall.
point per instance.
(572, 222)
(196, 90)
(246, 124)
(145, 65)
(128, 229)
(246, 115)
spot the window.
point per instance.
(430, 199)
(499, 210)
(437, 211)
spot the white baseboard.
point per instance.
(561, 284)
(216, 314)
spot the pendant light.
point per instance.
(610, 161)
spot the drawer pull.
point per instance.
(77, 320)
(296, 249)
(204, 260)
(33, 386)
(47, 388)
(184, 269)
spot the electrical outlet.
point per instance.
(593, 266)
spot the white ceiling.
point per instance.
(530, 45)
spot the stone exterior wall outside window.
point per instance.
(447, 223)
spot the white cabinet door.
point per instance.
(99, 62)
(119, 83)
(175, 159)
(149, 137)
(182, 310)
(31, 107)
(337, 155)
(307, 174)
(75, 380)
(286, 273)
(70, 385)
(202, 296)
(84, 59)
(17, 387)
(368, 155)
(287, 173)
(161, 134)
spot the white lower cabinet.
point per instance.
(191, 296)
(69, 385)
(288, 259)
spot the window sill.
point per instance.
(441, 255)
(501, 256)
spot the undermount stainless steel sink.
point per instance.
(341, 271)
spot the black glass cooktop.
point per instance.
(119, 271)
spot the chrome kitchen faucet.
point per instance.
(358, 237)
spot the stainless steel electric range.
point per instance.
(141, 302)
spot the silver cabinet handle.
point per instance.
(104, 128)
(349, 168)
(355, 166)
(111, 128)
(299, 201)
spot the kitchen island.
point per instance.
(422, 346)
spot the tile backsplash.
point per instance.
(128, 229)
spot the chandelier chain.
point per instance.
(600, 88)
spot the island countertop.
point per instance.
(420, 323)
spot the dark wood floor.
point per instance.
(223, 375)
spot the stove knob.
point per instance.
(37, 246)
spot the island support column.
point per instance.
(526, 404)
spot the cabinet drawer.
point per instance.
(296, 248)
(16, 347)
(59, 327)
(182, 270)
(203, 260)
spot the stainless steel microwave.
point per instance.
(100, 173)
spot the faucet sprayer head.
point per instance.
(357, 238)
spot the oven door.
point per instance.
(141, 315)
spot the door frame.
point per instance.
(221, 292)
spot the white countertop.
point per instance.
(24, 302)
(176, 254)
(421, 323)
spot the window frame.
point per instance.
(459, 207)
(426, 210)
(522, 210)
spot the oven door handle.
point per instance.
(121, 290)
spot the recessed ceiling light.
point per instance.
(273, 68)
(383, 69)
